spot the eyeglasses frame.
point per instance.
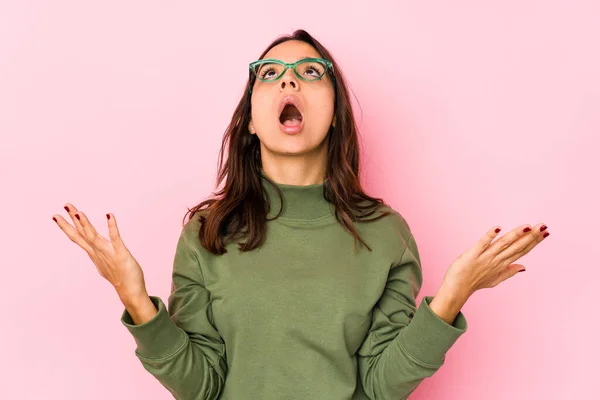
(328, 64)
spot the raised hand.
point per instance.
(112, 259)
(487, 264)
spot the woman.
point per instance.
(318, 302)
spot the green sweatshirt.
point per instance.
(301, 317)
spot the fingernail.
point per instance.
(107, 216)
(543, 228)
(54, 219)
(77, 216)
(522, 270)
(497, 230)
(546, 234)
(527, 229)
(67, 208)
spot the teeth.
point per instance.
(291, 122)
(290, 114)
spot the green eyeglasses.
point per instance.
(307, 69)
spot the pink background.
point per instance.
(474, 113)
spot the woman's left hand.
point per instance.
(487, 264)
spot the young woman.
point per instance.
(293, 283)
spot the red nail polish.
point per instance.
(107, 216)
(77, 216)
(54, 219)
(67, 208)
(527, 229)
(543, 228)
(546, 234)
(521, 270)
(497, 230)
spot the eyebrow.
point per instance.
(301, 58)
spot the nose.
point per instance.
(289, 79)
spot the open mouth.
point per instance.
(290, 116)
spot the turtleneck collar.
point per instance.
(299, 202)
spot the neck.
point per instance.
(300, 202)
(306, 169)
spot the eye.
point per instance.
(313, 70)
(266, 71)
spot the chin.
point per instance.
(297, 146)
(293, 150)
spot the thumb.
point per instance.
(514, 268)
(511, 271)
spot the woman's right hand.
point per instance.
(112, 259)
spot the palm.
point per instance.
(487, 264)
(111, 257)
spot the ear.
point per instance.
(251, 128)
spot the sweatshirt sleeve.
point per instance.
(405, 344)
(181, 347)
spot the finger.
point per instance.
(72, 233)
(92, 236)
(113, 233)
(485, 241)
(72, 210)
(523, 246)
(508, 239)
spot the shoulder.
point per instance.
(395, 221)
(191, 228)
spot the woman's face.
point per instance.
(316, 100)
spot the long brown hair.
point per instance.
(241, 207)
